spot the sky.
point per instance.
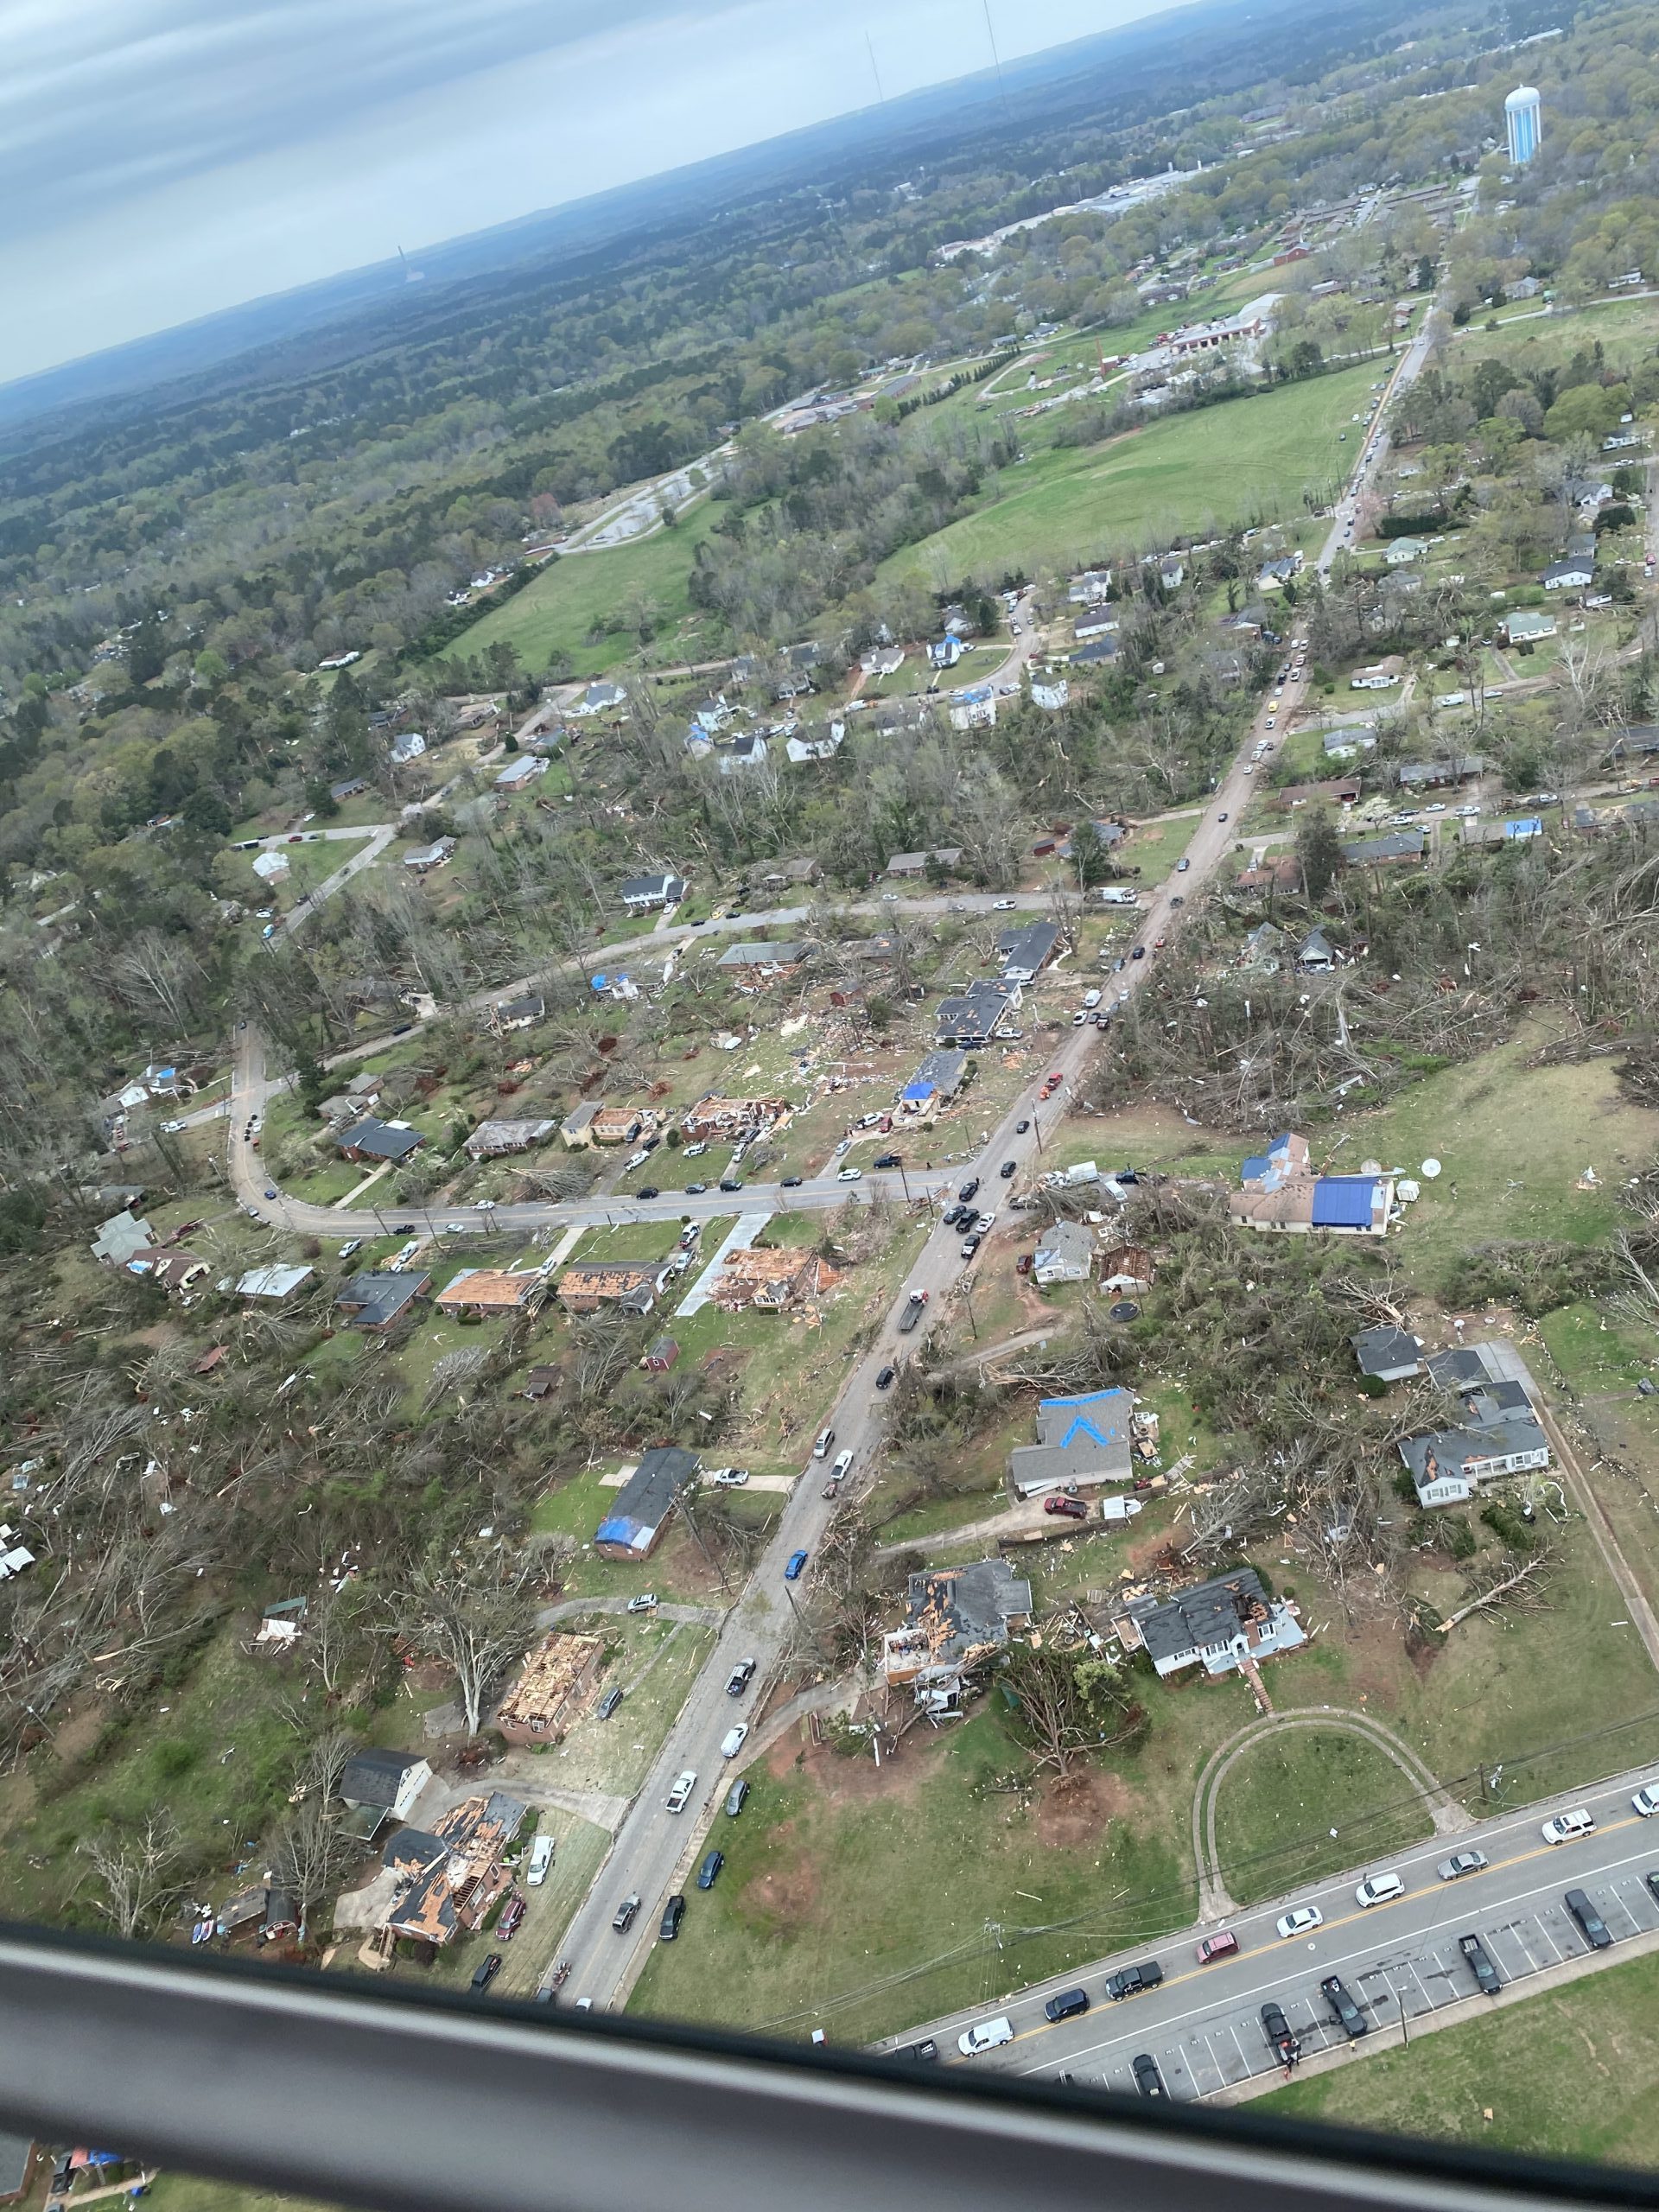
(162, 159)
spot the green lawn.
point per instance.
(1248, 459)
(1571, 2073)
(175, 2192)
(1300, 1806)
(1155, 848)
(573, 594)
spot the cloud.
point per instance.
(160, 159)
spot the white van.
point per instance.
(541, 1858)
(1090, 1000)
(985, 2037)
(821, 1449)
(843, 1461)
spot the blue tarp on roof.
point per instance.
(1530, 825)
(1343, 1201)
(620, 1529)
(1102, 1415)
(917, 1094)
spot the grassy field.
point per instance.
(1572, 2073)
(174, 2192)
(582, 594)
(1245, 460)
(1296, 1808)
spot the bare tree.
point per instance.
(312, 1855)
(1070, 1703)
(139, 1872)
(476, 1616)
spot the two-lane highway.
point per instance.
(1399, 1960)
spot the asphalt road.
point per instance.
(1204, 2024)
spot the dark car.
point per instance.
(609, 1702)
(884, 1378)
(969, 1246)
(1595, 1927)
(402, 1228)
(1344, 2010)
(1073, 1508)
(403, 1029)
(885, 1160)
(1020, 1127)
(1276, 2027)
(647, 1191)
(1480, 1965)
(735, 1798)
(926, 2050)
(1129, 1982)
(1652, 1881)
(1006, 1169)
(709, 1872)
(695, 1190)
(1067, 2004)
(790, 1183)
(969, 1189)
(512, 1916)
(731, 1182)
(485, 1974)
(1148, 2079)
(622, 1918)
(1139, 952)
(673, 1914)
(740, 1678)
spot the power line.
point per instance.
(875, 71)
(996, 61)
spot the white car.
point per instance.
(845, 1146)
(1004, 905)
(726, 1477)
(696, 1151)
(1379, 1888)
(985, 2037)
(732, 1742)
(644, 1602)
(849, 1175)
(1567, 1828)
(171, 1129)
(683, 1785)
(541, 1858)
(1299, 1921)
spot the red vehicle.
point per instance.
(513, 1913)
(1073, 1508)
(1022, 1265)
(1221, 1945)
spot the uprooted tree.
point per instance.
(1070, 1703)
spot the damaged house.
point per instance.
(1082, 1440)
(552, 1688)
(447, 1879)
(1228, 1623)
(955, 1621)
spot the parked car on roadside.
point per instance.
(1568, 1828)
(673, 1914)
(1461, 1863)
(986, 2035)
(1224, 1944)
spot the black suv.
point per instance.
(969, 1189)
(1595, 1927)
(673, 1914)
(485, 1974)
(1344, 2010)
(1129, 1982)
(1148, 2079)
(1067, 2004)
(1480, 1965)
(1276, 2027)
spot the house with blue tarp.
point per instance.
(634, 1526)
(1081, 1442)
(1279, 1191)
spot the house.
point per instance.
(1228, 1623)
(383, 1785)
(450, 1877)
(1398, 846)
(633, 1285)
(1082, 1440)
(540, 1384)
(1284, 873)
(1388, 1354)
(490, 1139)
(1127, 1268)
(120, 1239)
(1026, 950)
(946, 652)
(370, 1139)
(577, 1127)
(944, 856)
(713, 1116)
(1402, 550)
(270, 1282)
(713, 715)
(551, 1689)
(1336, 791)
(1172, 573)
(1274, 576)
(1380, 677)
(1279, 1191)
(600, 699)
(518, 1013)
(788, 872)
(769, 1278)
(659, 1355)
(634, 1526)
(351, 788)
(883, 660)
(972, 1018)
(1316, 955)
(801, 750)
(375, 1298)
(1260, 951)
(955, 1620)
(619, 1124)
(643, 893)
(1051, 696)
(487, 1291)
(1102, 649)
(1499, 1434)
(1438, 775)
(271, 867)
(1098, 624)
(436, 855)
(1091, 588)
(972, 710)
(171, 1271)
(520, 774)
(938, 1078)
(1066, 1252)
(1571, 574)
(410, 747)
(1526, 626)
(746, 751)
(760, 964)
(1343, 744)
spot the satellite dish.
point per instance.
(1371, 1167)
(1431, 1169)
(1407, 1190)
